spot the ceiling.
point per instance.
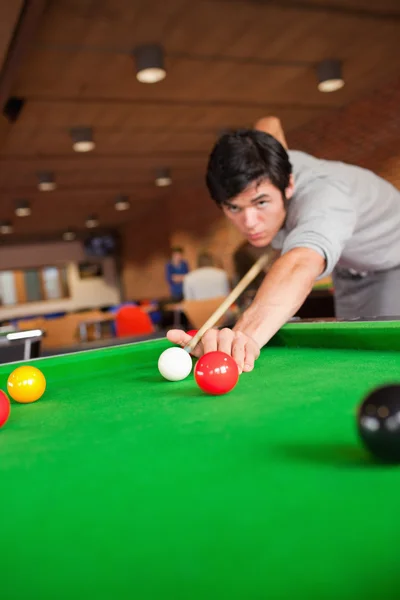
(228, 63)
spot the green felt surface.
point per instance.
(118, 485)
(357, 335)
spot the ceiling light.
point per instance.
(329, 73)
(5, 227)
(82, 139)
(122, 203)
(92, 221)
(149, 60)
(163, 178)
(46, 182)
(69, 235)
(23, 209)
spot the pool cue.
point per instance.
(230, 299)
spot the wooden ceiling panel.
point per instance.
(367, 5)
(59, 218)
(52, 213)
(228, 62)
(9, 14)
(43, 128)
(111, 76)
(105, 69)
(115, 177)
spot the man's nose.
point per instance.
(250, 218)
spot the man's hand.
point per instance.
(283, 291)
(177, 278)
(273, 126)
(237, 344)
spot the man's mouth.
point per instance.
(255, 236)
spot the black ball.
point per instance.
(378, 421)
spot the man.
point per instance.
(324, 217)
(175, 271)
(207, 281)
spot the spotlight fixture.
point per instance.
(23, 208)
(329, 73)
(122, 203)
(149, 60)
(91, 221)
(69, 235)
(163, 178)
(6, 227)
(46, 181)
(82, 139)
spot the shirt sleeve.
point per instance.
(325, 220)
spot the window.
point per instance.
(8, 291)
(33, 285)
(52, 283)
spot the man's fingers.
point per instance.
(210, 341)
(242, 348)
(238, 353)
(225, 339)
(177, 336)
(251, 353)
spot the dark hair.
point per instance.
(177, 249)
(242, 157)
(205, 259)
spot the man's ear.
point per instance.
(290, 188)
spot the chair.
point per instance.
(61, 332)
(131, 320)
(198, 311)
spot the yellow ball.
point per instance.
(26, 384)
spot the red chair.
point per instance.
(131, 320)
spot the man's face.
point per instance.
(177, 257)
(258, 212)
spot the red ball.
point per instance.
(192, 332)
(216, 373)
(5, 408)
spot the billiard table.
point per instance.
(119, 485)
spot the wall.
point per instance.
(145, 247)
(366, 133)
(89, 293)
(198, 224)
(189, 219)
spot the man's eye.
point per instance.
(262, 203)
(233, 209)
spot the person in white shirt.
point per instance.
(207, 281)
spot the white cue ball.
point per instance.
(175, 364)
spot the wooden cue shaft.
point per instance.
(233, 296)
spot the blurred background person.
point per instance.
(207, 281)
(176, 269)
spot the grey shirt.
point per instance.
(347, 214)
(205, 283)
